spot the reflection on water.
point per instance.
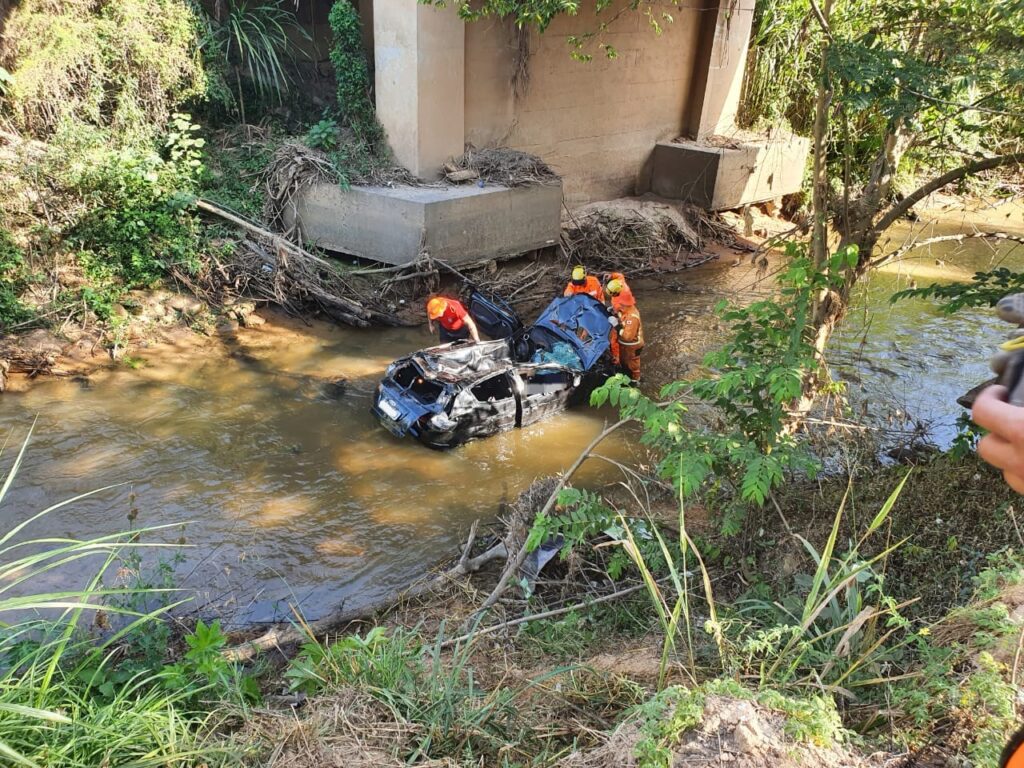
(909, 357)
(292, 493)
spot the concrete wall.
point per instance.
(595, 122)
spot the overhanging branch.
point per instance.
(969, 169)
(900, 252)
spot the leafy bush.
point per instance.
(124, 64)
(755, 379)
(12, 282)
(323, 134)
(136, 224)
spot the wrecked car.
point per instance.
(449, 394)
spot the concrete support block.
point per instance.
(419, 74)
(731, 176)
(457, 224)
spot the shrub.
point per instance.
(752, 383)
(136, 224)
(12, 282)
(124, 65)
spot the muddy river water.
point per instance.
(287, 491)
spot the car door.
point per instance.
(486, 407)
(544, 393)
(493, 315)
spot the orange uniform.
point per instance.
(630, 332)
(591, 286)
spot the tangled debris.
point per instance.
(268, 267)
(640, 237)
(292, 168)
(503, 166)
(265, 267)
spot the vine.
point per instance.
(354, 104)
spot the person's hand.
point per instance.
(613, 321)
(1003, 447)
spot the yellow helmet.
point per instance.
(579, 274)
(436, 307)
(614, 287)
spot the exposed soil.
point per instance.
(734, 732)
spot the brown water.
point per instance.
(286, 489)
(289, 492)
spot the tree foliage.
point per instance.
(983, 290)
(538, 14)
(124, 65)
(742, 448)
(947, 75)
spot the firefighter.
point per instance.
(454, 321)
(581, 282)
(613, 338)
(630, 328)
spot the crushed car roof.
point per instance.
(468, 362)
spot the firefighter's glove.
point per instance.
(613, 321)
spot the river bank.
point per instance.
(257, 448)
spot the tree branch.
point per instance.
(900, 252)
(821, 20)
(516, 562)
(970, 169)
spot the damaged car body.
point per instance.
(449, 394)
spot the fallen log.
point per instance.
(293, 634)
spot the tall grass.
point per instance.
(254, 38)
(834, 636)
(58, 706)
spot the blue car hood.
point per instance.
(582, 322)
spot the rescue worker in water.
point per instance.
(453, 320)
(630, 328)
(581, 282)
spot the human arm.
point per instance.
(472, 328)
(629, 330)
(1003, 446)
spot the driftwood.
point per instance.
(271, 267)
(640, 237)
(293, 634)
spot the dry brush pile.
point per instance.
(641, 237)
